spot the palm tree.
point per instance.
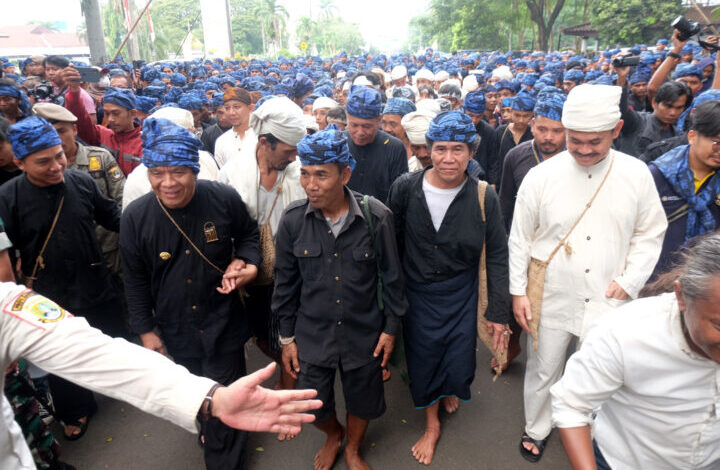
(272, 19)
(327, 9)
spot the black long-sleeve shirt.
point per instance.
(640, 129)
(428, 255)
(75, 275)
(162, 271)
(486, 154)
(518, 161)
(325, 287)
(378, 164)
(506, 141)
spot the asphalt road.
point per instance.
(482, 435)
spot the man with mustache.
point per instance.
(602, 256)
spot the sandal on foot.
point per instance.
(539, 445)
(83, 427)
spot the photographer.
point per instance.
(54, 66)
(693, 80)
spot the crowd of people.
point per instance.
(335, 209)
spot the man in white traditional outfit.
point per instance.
(267, 177)
(238, 106)
(607, 252)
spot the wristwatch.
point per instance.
(205, 412)
(286, 341)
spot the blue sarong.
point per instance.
(440, 337)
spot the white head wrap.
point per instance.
(416, 125)
(470, 83)
(592, 108)
(398, 72)
(310, 122)
(281, 118)
(363, 81)
(503, 73)
(426, 74)
(441, 76)
(324, 102)
(340, 74)
(181, 117)
(429, 105)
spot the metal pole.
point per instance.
(127, 36)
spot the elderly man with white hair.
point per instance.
(587, 231)
(267, 177)
(137, 183)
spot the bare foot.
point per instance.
(451, 404)
(424, 448)
(71, 430)
(326, 456)
(354, 461)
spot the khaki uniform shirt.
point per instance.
(102, 166)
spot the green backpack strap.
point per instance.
(365, 203)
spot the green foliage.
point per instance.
(329, 35)
(634, 21)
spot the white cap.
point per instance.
(416, 125)
(310, 122)
(324, 102)
(340, 74)
(362, 80)
(181, 117)
(503, 73)
(592, 108)
(398, 72)
(347, 85)
(280, 117)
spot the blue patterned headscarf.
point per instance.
(452, 126)
(640, 75)
(145, 103)
(122, 97)
(523, 102)
(364, 102)
(326, 146)
(15, 92)
(399, 106)
(167, 144)
(550, 104)
(687, 70)
(31, 135)
(675, 167)
(474, 102)
(507, 102)
(574, 75)
(192, 100)
(178, 79)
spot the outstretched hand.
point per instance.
(246, 405)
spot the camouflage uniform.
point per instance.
(20, 392)
(101, 165)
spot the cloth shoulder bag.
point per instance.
(538, 268)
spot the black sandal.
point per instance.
(527, 454)
(83, 427)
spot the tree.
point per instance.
(327, 9)
(273, 17)
(94, 31)
(633, 21)
(544, 21)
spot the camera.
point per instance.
(686, 28)
(625, 61)
(42, 92)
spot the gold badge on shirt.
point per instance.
(165, 256)
(94, 164)
(210, 232)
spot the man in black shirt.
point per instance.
(517, 132)
(486, 153)
(380, 157)
(328, 262)
(186, 247)
(49, 215)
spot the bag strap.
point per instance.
(483, 302)
(197, 250)
(535, 154)
(587, 206)
(502, 138)
(365, 203)
(678, 213)
(39, 261)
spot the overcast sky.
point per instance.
(383, 23)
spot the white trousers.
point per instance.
(544, 367)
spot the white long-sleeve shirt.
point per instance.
(230, 145)
(36, 329)
(659, 401)
(619, 238)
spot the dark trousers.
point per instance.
(224, 446)
(72, 401)
(600, 461)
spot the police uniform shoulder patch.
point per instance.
(115, 173)
(35, 309)
(94, 164)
